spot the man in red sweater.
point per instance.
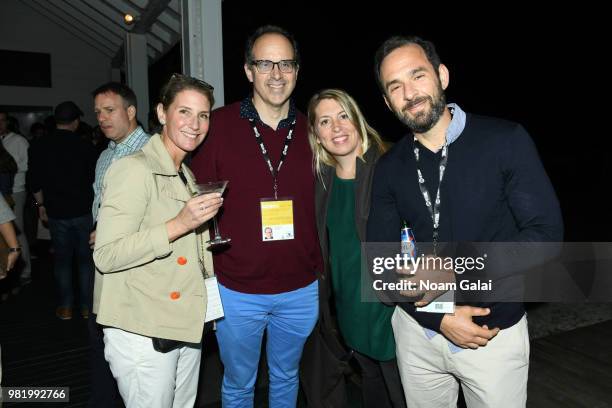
(260, 146)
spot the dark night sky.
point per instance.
(508, 61)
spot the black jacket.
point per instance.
(363, 187)
(62, 165)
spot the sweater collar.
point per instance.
(248, 111)
(457, 123)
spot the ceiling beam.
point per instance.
(107, 13)
(171, 20)
(52, 14)
(110, 13)
(161, 33)
(143, 23)
(175, 7)
(114, 9)
(149, 16)
(128, 3)
(154, 42)
(139, 3)
(94, 27)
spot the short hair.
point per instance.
(269, 29)
(368, 135)
(393, 43)
(124, 91)
(178, 83)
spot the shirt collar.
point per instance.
(158, 157)
(248, 111)
(128, 141)
(457, 123)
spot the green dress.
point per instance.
(365, 326)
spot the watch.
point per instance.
(38, 205)
(15, 249)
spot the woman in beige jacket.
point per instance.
(150, 250)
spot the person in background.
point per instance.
(7, 231)
(8, 169)
(99, 140)
(13, 125)
(17, 146)
(61, 173)
(37, 131)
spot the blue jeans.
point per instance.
(289, 318)
(70, 237)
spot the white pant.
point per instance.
(491, 376)
(148, 378)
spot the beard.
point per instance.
(423, 121)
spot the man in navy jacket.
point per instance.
(457, 177)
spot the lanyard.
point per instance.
(434, 210)
(264, 152)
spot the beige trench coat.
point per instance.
(145, 284)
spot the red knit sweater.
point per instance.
(230, 152)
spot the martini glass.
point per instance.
(214, 187)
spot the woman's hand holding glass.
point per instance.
(196, 212)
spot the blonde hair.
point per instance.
(368, 135)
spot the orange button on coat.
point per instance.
(181, 260)
(175, 295)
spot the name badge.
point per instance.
(276, 219)
(214, 308)
(445, 303)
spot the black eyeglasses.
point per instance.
(266, 66)
(199, 81)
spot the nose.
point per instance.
(410, 92)
(335, 125)
(276, 72)
(195, 122)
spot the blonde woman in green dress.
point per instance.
(346, 150)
